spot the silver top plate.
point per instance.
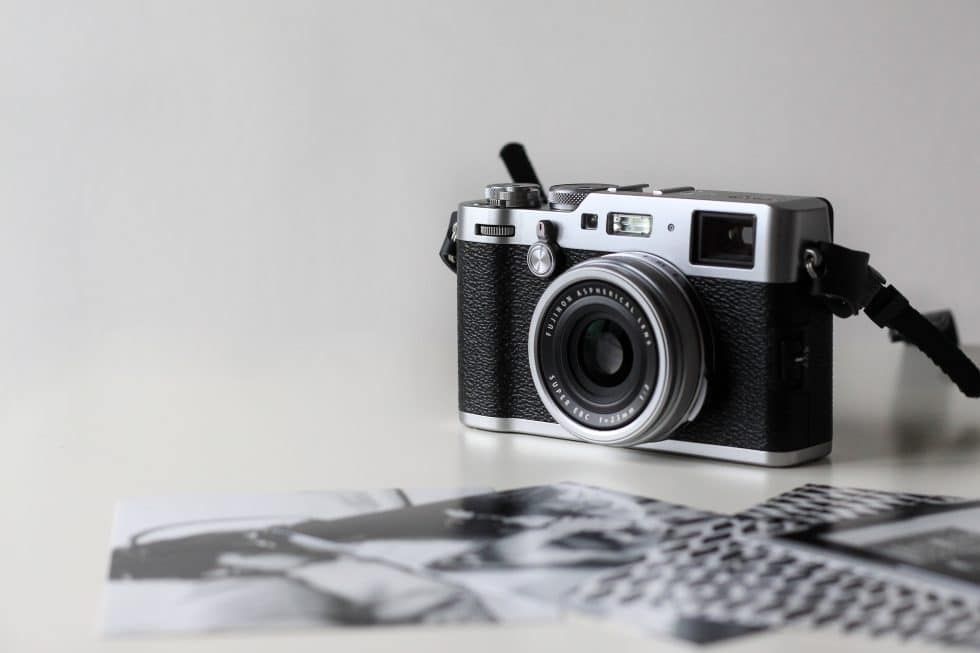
(783, 224)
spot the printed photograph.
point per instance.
(727, 575)
(208, 563)
(387, 557)
(566, 545)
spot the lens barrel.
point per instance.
(619, 348)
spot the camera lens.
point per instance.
(598, 351)
(601, 350)
(605, 353)
(617, 349)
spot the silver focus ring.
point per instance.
(668, 302)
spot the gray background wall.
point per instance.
(232, 183)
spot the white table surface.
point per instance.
(361, 411)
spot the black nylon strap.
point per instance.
(889, 308)
(942, 320)
(846, 283)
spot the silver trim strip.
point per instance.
(716, 451)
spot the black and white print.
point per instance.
(544, 544)
(813, 504)
(735, 570)
(396, 557)
(201, 563)
(537, 542)
(384, 558)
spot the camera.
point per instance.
(670, 319)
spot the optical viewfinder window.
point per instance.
(723, 239)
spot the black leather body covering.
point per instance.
(771, 384)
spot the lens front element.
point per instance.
(605, 353)
(617, 350)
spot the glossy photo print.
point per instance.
(568, 546)
(390, 557)
(397, 557)
(748, 572)
(207, 563)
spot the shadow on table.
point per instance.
(922, 421)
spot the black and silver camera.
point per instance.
(681, 320)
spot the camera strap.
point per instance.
(846, 284)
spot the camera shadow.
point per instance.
(927, 420)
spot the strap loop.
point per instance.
(448, 250)
(841, 277)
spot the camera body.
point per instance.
(675, 320)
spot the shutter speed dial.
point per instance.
(514, 195)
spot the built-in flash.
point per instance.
(630, 224)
